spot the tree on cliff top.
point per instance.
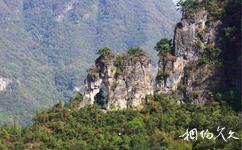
(104, 51)
(163, 46)
(105, 55)
(188, 6)
(134, 51)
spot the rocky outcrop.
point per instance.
(192, 35)
(92, 88)
(126, 80)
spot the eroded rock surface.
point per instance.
(128, 79)
(192, 35)
(126, 84)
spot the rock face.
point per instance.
(126, 79)
(183, 70)
(178, 69)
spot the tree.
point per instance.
(163, 46)
(93, 72)
(104, 51)
(188, 6)
(134, 51)
(119, 63)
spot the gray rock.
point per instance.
(129, 88)
(126, 89)
(188, 33)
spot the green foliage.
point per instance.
(210, 54)
(75, 102)
(188, 7)
(79, 96)
(182, 88)
(134, 52)
(163, 46)
(93, 72)
(229, 43)
(215, 9)
(119, 63)
(47, 55)
(162, 75)
(230, 96)
(104, 52)
(213, 52)
(157, 126)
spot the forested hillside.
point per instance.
(170, 118)
(157, 126)
(46, 46)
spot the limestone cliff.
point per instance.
(125, 79)
(184, 69)
(188, 69)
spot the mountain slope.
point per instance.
(46, 46)
(160, 125)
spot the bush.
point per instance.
(119, 63)
(134, 52)
(163, 46)
(162, 75)
(93, 72)
(104, 52)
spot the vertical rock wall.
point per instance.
(126, 85)
(192, 34)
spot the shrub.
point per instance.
(163, 46)
(119, 63)
(93, 72)
(104, 52)
(162, 75)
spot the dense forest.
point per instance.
(163, 123)
(157, 126)
(46, 46)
